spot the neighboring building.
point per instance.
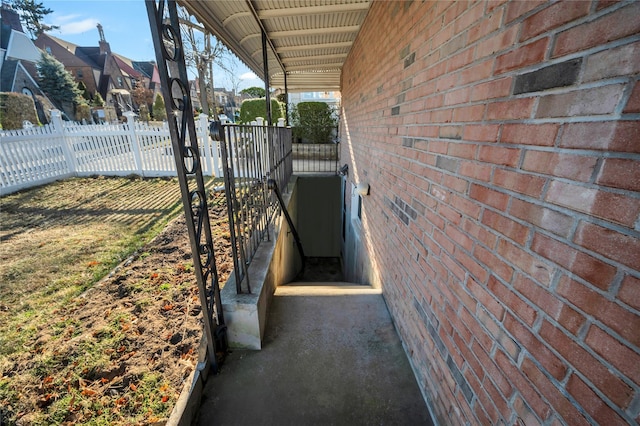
(18, 58)
(501, 143)
(330, 98)
(102, 71)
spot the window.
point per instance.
(79, 74)
(48, 49)
(120, 82)
(360, 207)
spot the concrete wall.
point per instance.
(319, 204)
(501, 143)
(275, 263)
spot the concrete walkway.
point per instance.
(331, 356)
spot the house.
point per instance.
(102, 71)
(18, 58)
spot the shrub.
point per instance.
(159, 112)
(144, 113)
(83, 112)
(313, 122)
(16, 108)
(252, 108)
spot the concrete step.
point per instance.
(324, 288)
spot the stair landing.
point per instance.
(331, 356)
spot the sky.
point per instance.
(125, 27)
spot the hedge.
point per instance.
(252, 108)
(16, 108)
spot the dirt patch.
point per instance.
(118, 353)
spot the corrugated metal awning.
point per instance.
(307, 39)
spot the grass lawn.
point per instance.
(75, 347)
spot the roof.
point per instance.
(309, 40)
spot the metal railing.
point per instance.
(251, 155)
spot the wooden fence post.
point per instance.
(135, 145)
(58, 128)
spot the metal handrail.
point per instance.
(251, 155)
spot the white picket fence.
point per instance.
(40, 155)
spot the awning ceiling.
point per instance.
(307, 39)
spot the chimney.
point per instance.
(104, 44)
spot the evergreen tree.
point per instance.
(159, 112)
(57, 82)
(31, 14)
(83, 89)
(97, 100)
(256, 92)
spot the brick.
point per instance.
(542, 217)
(592, 403)
(611, 385)
(525, 262)
(499, 155)
(629, 291)
(514, 109)
(454, 183)
(606, 205)
(587, 267)
(481, 132)
(620, 356)
(495, 265)
(523, 56)
(489, 196)
(468, 113)
(476, 72)
(480, 335)
(556, 75)
(491, 89)
(519, 182)
(458, 237)
(549, 303)
(515, 9)
(450, 132)
(491, 371)
(488, 301)
(619, 319)
(465, 206)
(623, 60)
(553, 17)
(525, 312)
(505, 226)
(604, 135)
(562, 405)
(463, 150)
(529, 393)
(612, 26)
(497, 43)
(633, 104)
(526, 416)
(489, 24)
(529, 134)
(474, 268)
(593, 101)
(458, 96)
(478, 232)
(609, 243)
(554, 366)
(569, 166)
(620, 173)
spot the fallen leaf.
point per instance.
(133, 387)
(165, 398)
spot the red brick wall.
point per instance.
(501, 141)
